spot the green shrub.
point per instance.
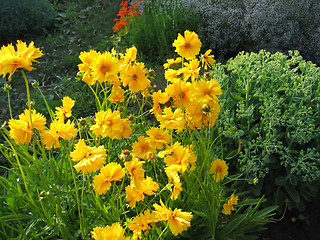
(21, 18)
(270, 119)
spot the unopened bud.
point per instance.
(131, 117)
(120, 109)
(83, 122)
(205, 108)
(35, 84)
(7, 87)
(152, 73)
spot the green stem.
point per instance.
(10, 110)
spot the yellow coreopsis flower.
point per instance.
(228, 207)
(11, 60)
(142, 223)
(207, 59)
(105, 68)
(142, 147)
(114, 232)
(159, 99)
(175, 180)
(172, 120)
(219, 169)
(158, 137)
(22, 129)
(65, 111)
(181, 93)
(193, 69)
(180, 159)
(206, 91)
(90, 158)
(136, 194)
(107, 123)
(110, 173)
(87, 59)
(58, 129)
(136, 78)
(117, 93)
(136, 171)
(178, 221)
(187, 46)
(171, 63)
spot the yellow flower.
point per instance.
(142, 147)
(21, 130)
(136, 78)
(187, 46)
(175, 180)
(193, 69)
(178, 221)
(114, 232)
(58, 130)
(136, 171)
(228, 207)
(206, 91)
(125, 130)
(128, 59)
(158, 137)
(108, 174)
(203, 115)
(117, 94)
(180, 159)
(11, 60)
(172, 120)
(207, 59)
(142, 223)
(87, 59)
(219, 169)
(91, 158)
(65, 111)
(107, 123)
(181, 94)
(136, 194)
(159, 99)
(171, 63)
(105, 68)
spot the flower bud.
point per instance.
(35, 84)
(152, 73)
(131, 117)
(7, 87)
(120, 109)
(205, 108)
(83, 122)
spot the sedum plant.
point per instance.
(270, 121)
(118, 175)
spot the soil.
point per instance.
(297, 226)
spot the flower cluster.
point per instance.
(155, 162)
(126, 12)
(188, 100)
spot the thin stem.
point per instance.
(10, 110)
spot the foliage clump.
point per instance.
(270, 118)
(24, 17)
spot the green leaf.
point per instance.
(265, 212)
(234, 223)
(293, 193)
